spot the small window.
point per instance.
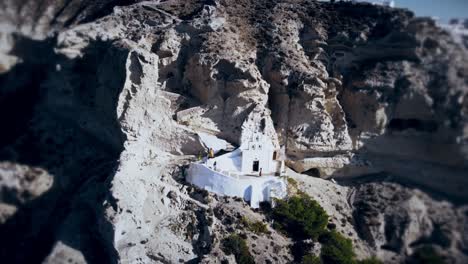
(259, 147)
(257, 138)
(253, 147)
(275, 155)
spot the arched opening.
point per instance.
(275, 155)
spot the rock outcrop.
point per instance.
(101, 103)
(400, 220)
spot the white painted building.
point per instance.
(390, 3)
(251, 170)
(259, 155)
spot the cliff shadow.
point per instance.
(61, 116)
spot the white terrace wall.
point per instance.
(253, 189)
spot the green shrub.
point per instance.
(300, 249)
(427, 255)
(336, 249)
(372, 260)
(292, 186)
(237, 246)
(258, 227)
(300, 216)
(292, 182)
(311, 259)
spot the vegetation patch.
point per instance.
(258, 227)
(336, 249)
(300, 216)
(372, 260)
(311, 259)
(300, 249)
(292, 186)
(292, 182)
(237, 246)
(427, 255)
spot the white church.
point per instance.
(389, 3)
(251, 171)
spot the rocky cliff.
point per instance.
(101, 103)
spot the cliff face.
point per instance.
(102, 100)
(38, 19)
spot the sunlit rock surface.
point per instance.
(101, 104)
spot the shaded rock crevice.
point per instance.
(73, 138)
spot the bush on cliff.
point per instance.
(372, 260)
(258, 227)
(237, 246)
(300, 216)
(336, 249)
(426, 255)
(311, 259)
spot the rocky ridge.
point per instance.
(108, 98)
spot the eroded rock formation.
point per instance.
(101, 102)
